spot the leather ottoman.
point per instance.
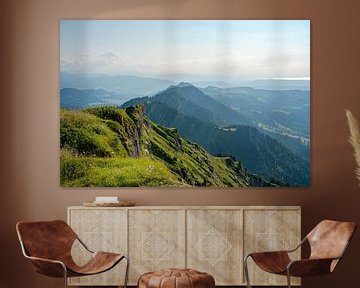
(176, 278)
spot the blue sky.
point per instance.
(224, 50)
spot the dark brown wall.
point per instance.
(29, 119)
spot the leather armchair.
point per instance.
(48, 245)
(328, 243)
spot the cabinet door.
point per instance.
(101, 230)
(156, 240)
(270, 230)
(214, 244)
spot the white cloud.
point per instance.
(108, 62)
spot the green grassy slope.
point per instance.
(111, 147)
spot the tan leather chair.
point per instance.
(48, 245)
(328, 242)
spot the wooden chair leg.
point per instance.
(127, 271)
(246, 271)
(65, 276)
(288, 279)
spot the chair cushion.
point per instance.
(176, 278)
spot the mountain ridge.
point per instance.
(107, 146)
(191, 101)
(125, 84)
(255, 155)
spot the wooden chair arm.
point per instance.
(268, 253)
(84, 245)
(298, 246)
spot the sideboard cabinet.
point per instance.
(212, 239)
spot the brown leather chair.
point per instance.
(328, 242)
(48, 245)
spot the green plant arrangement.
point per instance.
(354, 139)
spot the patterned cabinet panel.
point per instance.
(101, 230)
(214, 244)
(267, 230)
(210, 239)
(156, 240)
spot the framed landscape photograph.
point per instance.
(185, 103)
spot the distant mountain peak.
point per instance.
(185, 84)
